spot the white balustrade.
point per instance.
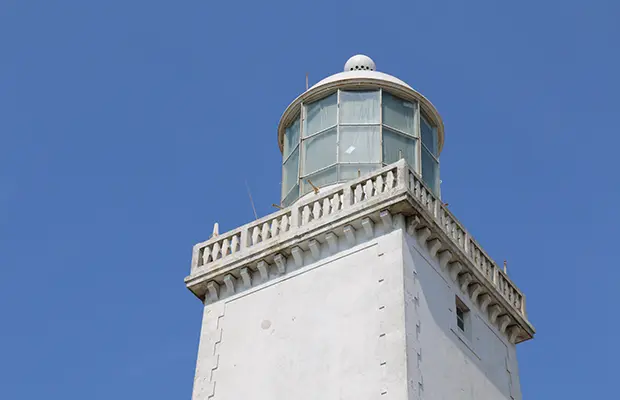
(374, 185)
(269, 227)
(461, 238)
(219, 248)
(380, 184)
(321, 207)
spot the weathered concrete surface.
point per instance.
(447, 363)
(373, 319)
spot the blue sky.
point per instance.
(128, 127)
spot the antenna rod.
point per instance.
(306, 81)
(251, 201)
(316, 189)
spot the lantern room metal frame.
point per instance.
(360, 81)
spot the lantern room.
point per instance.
(353, 122)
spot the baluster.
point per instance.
(444, 220)
(225, 247)
(216, 251)
(275, 227)
(256, 235)
(295, 220)
(234, 244)
(306, 215)
(284, 223)
(358, 193)
(265, 231)
(368, 189)
(333, 203)
(206, 255)
(429, 202)
(380, 184)
(327, 209)
(316, 210)
(390, 180)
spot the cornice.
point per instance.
(226, 264)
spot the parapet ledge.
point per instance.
(352, 213)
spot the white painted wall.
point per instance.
(346, 327)
(449, 364)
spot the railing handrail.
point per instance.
(402, 178)
(467, 237)
(461, 226)
(300, 204)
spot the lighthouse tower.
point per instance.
(364, 285)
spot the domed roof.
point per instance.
(360, 66)
(361, 74)
(360, 62)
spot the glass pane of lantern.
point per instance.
(319, 151)
(398, 113)
(289, 172)
(360, 144)
(291, 196)
(348, 172)
(397, 146)
(430, 170)
(321, 115)
(429, 135)
(291, 138)
(320, 179)
(359, 107)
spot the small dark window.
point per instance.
(460, 318)
(461, 315)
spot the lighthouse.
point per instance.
(363, 285)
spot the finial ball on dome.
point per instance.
(359, 62)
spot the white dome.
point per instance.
(360, 62)
(356, 74)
